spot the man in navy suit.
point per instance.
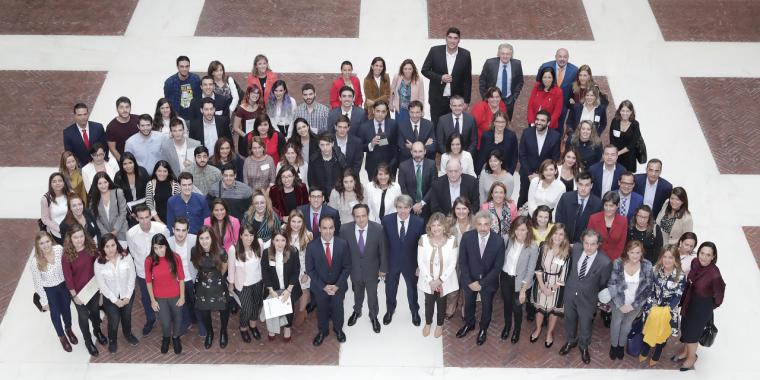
(537, 144)
(316, 209)
(481, 258)
(457, 121)
(210, 127)
(379, 137)
(566, 73)
(328, 264)
(505, 73)
(83, 134)
(403, 231)
(629, 199)
(652, 187)
(221, 102)
(416, 129)
(575, 207)
(606, 173)
(348, 145)
(449, 69)
(356, 115)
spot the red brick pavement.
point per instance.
(14, 252)
(269, 18)
(510, 19)
(708, 20)
(753, 238)
(728, 111)
(78, 17)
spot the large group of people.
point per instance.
(232, 196)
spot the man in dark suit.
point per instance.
(416, 129)
(348, 145)
(83, 134)
(606, 173)
(537, 144)
(505, 73)
(655, 189)
(210, 127)
(449, 69)
(566, 73)
(369, 262)
(380, 139)
(316, 209)
(629, 199)
(481, 258)
(403, 231)
(328, 264)
(588, 273)
(454, 184)
(416, 176)
(221, 102)
(325, 166)
(457, 121)
(356, 115)
(575, 207)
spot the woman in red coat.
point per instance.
(262, 76)
(347, 78)
(483, 111)
(611, 225)
(546, 95)
(288, 192)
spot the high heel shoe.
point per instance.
(270, 338)
(534, 339)
(548, 344)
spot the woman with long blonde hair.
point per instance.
(69, 167)
(551, 273)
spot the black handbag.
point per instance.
(37, 303)
(641, 149)
(708, 334)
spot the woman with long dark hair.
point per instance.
(675, 217)
(161, 186)
(54, 205)
(131, 179)
(281, 272)
(225, 154)
(546, 95)
(281, 108)
(210, 260)
(165, 280)
(288, 192)
(109, 207)
(245, 280)
(377, 85)
(346, 194)
(407, 86)
(245, 114)
(163, 117)
(299, 238)
(224, 225)
(115, 274)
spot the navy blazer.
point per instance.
(596, 172)
(221, 103)
(326, 210)
(490, 74)
(484, 270)
(507, 147)
(402, 255)
(407, 178)
(636, 201)
(434, 67)
(469, 128)
(316, 264)
(73, 142)
(358, 116)
(567, 212)
(530, 157)
(664, 188)
(600, 118)
(406, 132)
(380, 153)
(354, 153)
(222, 130)
(440, 197)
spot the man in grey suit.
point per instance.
(416, 176)
(175, 150)
(457, 121)
(505, 73)
(589, 272)
(369, 261)
(346, 108)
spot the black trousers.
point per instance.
(433, 301)
(512, 306)
(329, 308)
(438, 108)
(118, 315)
(657, 350)
(486, 303)
(89, 312)
(524, 187)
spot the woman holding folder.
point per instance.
(281, 268)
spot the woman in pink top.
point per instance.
(224, 225)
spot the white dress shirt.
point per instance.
(539, 195)
(209, 133)
(183, 250)
(505, 91)
(454, 190)
(465, 158)
(450, 60)
(649, 192)
(279, 267)
(117, 281)
(540, 139)
(139, 243)
(510, 262)
(607, 175)
(588, 264)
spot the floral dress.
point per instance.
(210, 285)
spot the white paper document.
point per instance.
(274, 307)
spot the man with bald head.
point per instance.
(454, 184)
(416, 176)
(504, 72)
(566, 73)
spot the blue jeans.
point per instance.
(189, 314)
(150, 315)
(59, 303)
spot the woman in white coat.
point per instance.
(437, 259)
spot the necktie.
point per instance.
(328, 255)
(560, 76)
(416, 132)
(379, 128)
(402, 233)
(361, 241)
(86, 138)
(456, 125)
(418, 175)
(315, 223)
(382, 204)
(504, 79)
(582, 273)
(624, 207)
(482, 245)
(347, 115)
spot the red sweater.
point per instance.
(483, 116)
(541, 100)
(613, 242)
(165, 285)
(78, 273)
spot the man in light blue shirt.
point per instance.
(146, 145)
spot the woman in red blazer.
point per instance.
(288, 192)
(347, 78)
(611, 225)
(262, 76)
(546, 95)
(483, 111)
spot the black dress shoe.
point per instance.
(375, 325)
(209, 341)
(255, 333)
(72, 337)
(341, 336)
(684, 369)
(548, 344)
(566, 348)
(223, 339)
(621, 353)
(132, 340)
(177, 343)
(676, 359)
(606, 319)
(100, 337)
(515, 336)
(464, 330)
(245, 335)
(534, 339)
(416, 319)
(148, 327)
(112, 347)
(91, 349)
(505, 332)
(613, 352)
(585, 357)
(352, 319)
(310, 307)
(165, 344)
(481, 337)
(319, 339)
(387, 318)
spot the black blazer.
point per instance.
(407, 179)
(406, 132)
(354, 153)
(325, 174)
(358, 116)
(320, 273)
(380, 153)
(507, 147)
(221, 103)
(440, 198)
(596, 170)
(600, 118)
(530, 157)
(664, 188)
(140, 184)
(445, 128)
(326, 210)
(222, 130)
(484, 270)
(435, 67)
(91, 227)
(490, 73)
(72, 141)
(291, 270)
(567, 212)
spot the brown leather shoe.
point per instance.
(65, 343)
(72, 338)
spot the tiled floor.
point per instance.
(708, 20)
(79, 17)
(14, 253)
(753, 238)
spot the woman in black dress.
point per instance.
(210, 260)
(624, 132)
(587, 143)
(704, 293)
(644, 229)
